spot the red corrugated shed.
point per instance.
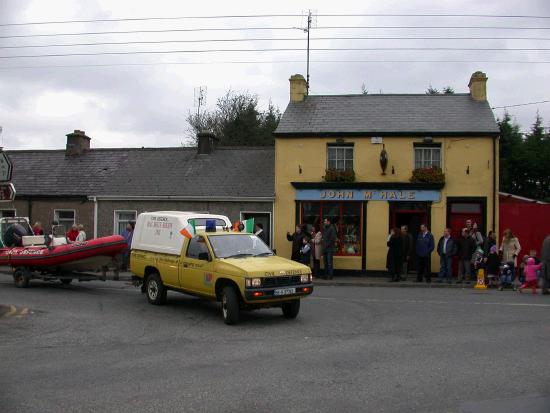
(528, 219)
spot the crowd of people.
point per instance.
(315, 244)
(471, 251)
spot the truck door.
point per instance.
(196, 269)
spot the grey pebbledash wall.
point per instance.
(106, 209)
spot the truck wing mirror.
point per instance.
(204, 256)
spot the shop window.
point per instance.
(346, 218)
(340, 157)
(7, 213)
(122, 219)
(427, 157)
(65, 217)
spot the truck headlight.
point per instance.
(305, 278)
(253, 282)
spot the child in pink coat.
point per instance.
(530, 272)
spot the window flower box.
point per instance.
(339, 175)
(433, 175)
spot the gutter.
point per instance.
(181, 198)
(94, 199)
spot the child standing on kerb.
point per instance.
(530, 272)
(305, 251)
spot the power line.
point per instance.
(99, 65)
(249, 16)
(282, 49)
(30, 46)
(206, 29)
(520, 104)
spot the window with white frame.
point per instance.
(65, 217)
(427, 157)
(7, 213)
(122, 219)
(340, 157)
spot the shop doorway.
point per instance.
(411, 214)
(458, 212)
(263, 218)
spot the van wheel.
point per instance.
(66, 281)
(230, 306)
(21, 280)
(291, 310)
(155, 290)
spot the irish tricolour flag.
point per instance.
(189, 231)
(249, 225)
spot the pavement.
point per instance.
(100, 347)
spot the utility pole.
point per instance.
(199, 100)
(308, 30)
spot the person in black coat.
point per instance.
(260, 233)
(297, 241)
(395, 254)
(466, 248)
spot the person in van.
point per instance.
(259, 232)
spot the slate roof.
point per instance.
(387, 114)
(227, 172)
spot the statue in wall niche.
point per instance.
(383, 159)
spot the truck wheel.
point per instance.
(66, 281)
(21, 280)
(291, 310)
(230, 306)
(155, 290)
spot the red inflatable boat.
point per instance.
(77, 256)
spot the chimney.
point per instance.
(478, 86)
(77, 143)
(298, 88)
(205, 142)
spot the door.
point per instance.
(459, 213)
(196, 272)
(411, 214)
(263, 218)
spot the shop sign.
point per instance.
(367, 195)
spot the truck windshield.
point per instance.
(236, 246)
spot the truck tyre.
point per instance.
(230, 305)
(155, 290)
(291, 310)
(21, 279)
(66, 281)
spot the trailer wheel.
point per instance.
(230, 305)
(21, 279)
(155, 289)
(66, 281)
(291, 310)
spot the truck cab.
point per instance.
(236, 268)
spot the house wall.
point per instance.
(304, 160)
(43, 210)
(106, 209)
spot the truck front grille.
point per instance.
(280, 281)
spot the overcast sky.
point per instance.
(145, 104)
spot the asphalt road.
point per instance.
(100, 347)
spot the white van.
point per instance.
(160, 231)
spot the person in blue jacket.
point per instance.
(424, 247)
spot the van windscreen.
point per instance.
(201, 222)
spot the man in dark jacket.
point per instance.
(297, 242)
(259, 232)
(446, 248)
(408, 250)
(424, 248)
(545, 270)
(466, 247)
(329, 244)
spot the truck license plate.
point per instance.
(284, 291)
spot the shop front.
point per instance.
(363, 215)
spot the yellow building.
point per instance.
(321, 139)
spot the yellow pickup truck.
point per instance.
(237, 269)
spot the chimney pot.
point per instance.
(298, 88)
(478, 86)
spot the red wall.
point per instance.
(529, 222)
